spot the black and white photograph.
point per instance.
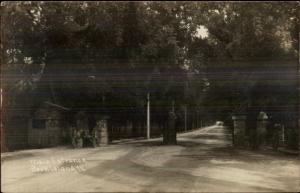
(150, 96)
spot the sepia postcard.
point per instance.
(149, 96)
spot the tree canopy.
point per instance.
(89, 52)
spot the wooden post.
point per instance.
(148, 115)
(283, 136)
(173, 106)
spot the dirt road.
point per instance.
(203, 161)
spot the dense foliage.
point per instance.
(213, 56)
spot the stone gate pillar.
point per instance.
(101, 126)
(169, 136)
(261, 129)
(239, 130)
(104, 138)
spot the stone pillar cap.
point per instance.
(101, 117)
(262, 116)
(238, 117)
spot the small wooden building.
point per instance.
(14, 130)
(48, 126)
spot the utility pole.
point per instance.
(148, 115)
(185, 118)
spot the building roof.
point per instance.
(56, 106)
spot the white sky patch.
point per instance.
(202, 32)
(28, 60)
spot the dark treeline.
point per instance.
(214, 57)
